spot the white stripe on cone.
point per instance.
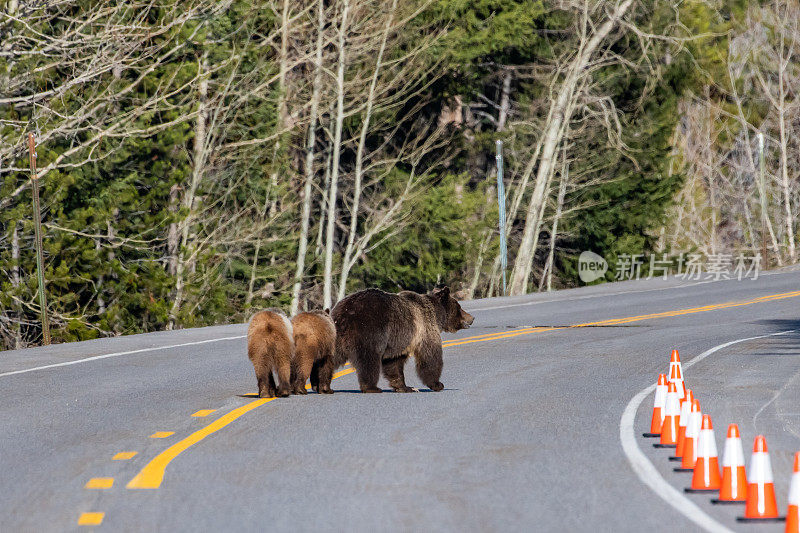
(693, 430)
(733, 454)
(661, 400)
(707, 447)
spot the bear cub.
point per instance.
(377, 330)
(314, 343)
(270, 347)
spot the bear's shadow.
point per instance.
(253, 395)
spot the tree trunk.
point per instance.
(173, 232)
(309, 163)
(505, 98)
(348, 260)
(478, 265)
(327, 288)
(562, 191)
(15, 280)
(252, 283)
(787, 197)
(188, 203)
(323, 204)
(712, 182)
(753, 168)
(552, 137)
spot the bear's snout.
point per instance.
(466, 319)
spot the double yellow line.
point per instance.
(152, 475)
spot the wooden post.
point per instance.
(37, 220)
(501, 202)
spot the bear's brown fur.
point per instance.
(314, 343)
(376, 329)
(270, 346)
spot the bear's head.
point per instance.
(449, 314)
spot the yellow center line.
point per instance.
(203, 413)
(151, 476)
(90, 519)
(123, 456)
(100, 483)
(162, 434)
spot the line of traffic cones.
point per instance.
(678, 422)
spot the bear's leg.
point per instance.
(263, 387)
(314, 376)
(325, 376)
(429, 365)
(301, 368)
(284, 370)
(368, 368)
(269, 389)
(393, 372)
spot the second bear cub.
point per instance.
(314, 341)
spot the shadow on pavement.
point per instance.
(786, 344)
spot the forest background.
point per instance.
(199, 159)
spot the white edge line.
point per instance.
(589, 296)
(644, 468)
(117, 354)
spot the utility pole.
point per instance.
(501, 202)
(762, 191)
(37, 221)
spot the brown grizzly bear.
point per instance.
(314, 342)
(270, 346)
(376, 329)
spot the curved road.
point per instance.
(538, 429)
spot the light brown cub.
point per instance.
(270, 347)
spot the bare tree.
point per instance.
(593, 33)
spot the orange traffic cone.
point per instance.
(658, 407)
(734, 479)
(669, 429)
(706, 468)
(690, 440)
(676, 376)
(793, 514)
(674, 360)
(683, 421)
(760, 505)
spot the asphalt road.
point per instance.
(530, 433)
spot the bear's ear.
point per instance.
(442, 293)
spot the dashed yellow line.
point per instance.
(624, 320)
(100, 483)
(123, 456)
(152, 475)
(91, 519)
(162, 434)
(203, 413)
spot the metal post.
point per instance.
(501, 202)
(762, 191)
(37, 220)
